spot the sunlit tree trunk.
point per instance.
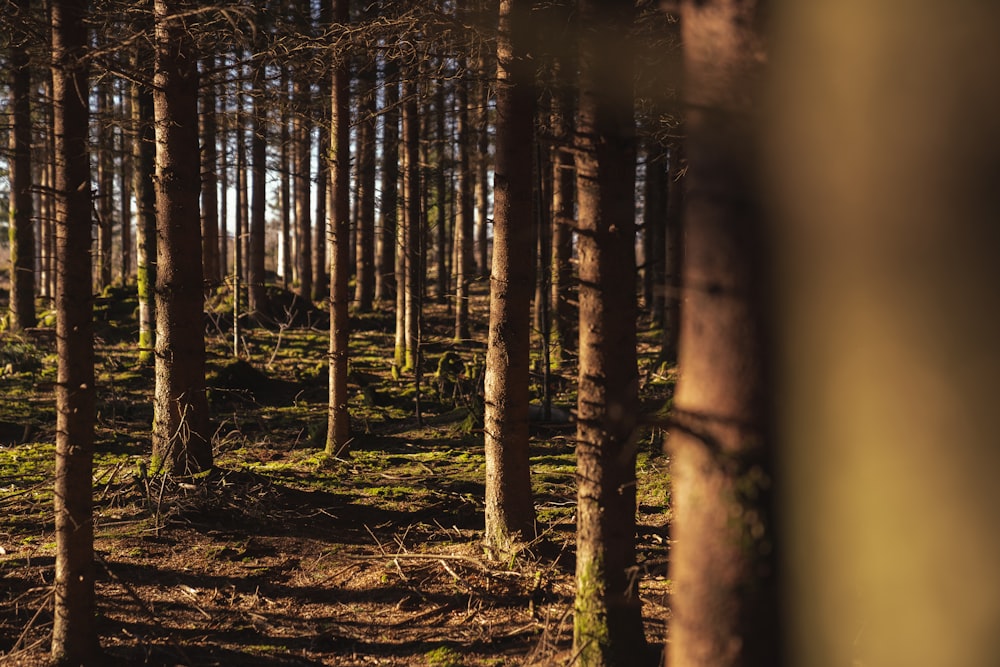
(74, 632)
(441, 195)
(144, 151)
(321, 235)
(125, 172)
(464, 261)
(413, 246)
(22, 234)
(723, 606)
(510, 513)
(181, 429)
(338, 423)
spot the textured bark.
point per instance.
(607, 611)
(22, 234)
(442, 278)
(256, 294)
(364, 294)
(321, 235)
(223, 189)
(181, 429)
(125, 172)
(510, 513)
(411, 181)
(464, 261)
(302, 141)
(722, 563)
(385, 277)
(338, 422)
(482, 169)
(285, 194)
(209, 185)
(105, 186)
(145, 204)
(74, 632)
(563, 224)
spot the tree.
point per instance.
(22, 235)
(256, 294)
(144, 150)
(607, 614)
(364, 294)
(722, 563)
(385, 277)
(74, 633)
(413, 245)
(209, 183)
(464, 261)
(181, 431)
(510, 514)
(105, 184)
(338, 421)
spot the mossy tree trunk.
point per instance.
(722, 562)
(74, 632)
(338, 421)
(414, 240)
(181, 430)
(145, 202)
(607, 611)
(510, 513)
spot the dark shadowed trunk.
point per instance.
(364, 294)
(209, 185)
(256, 294)
(181, 430)
(74, 632)
(385, 278)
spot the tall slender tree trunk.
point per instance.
(440, 180)
(209, 184)
(364, 293)
(510, 513)
(654, 225)
(385, 277)
(145, 203)
(256, 293)
(464, 261)
(321, 237)
(224, 186)
(413, 247)
(673, 256)
(285, 193)
(302, 179)
(722, 564)
(563, 221)
(482, 171)
(607, 625)
(105, 185)
(181, 430)
(22, 233)
(74, 632)
(125, 171)
(338, 426)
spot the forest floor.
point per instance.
(285, 556)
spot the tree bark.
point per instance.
(125, 212)
(209, 185)
(385, 277)
(510, 514)
(607, 611)
(722, 563)
(413, 247)
(181, 431)
(145, 204)
(364, 294)
(256, 293)
(22, 234)
(338, 423)
(285, 193)
(301, 178)
(105, 185)
(74, 633)
(464, 261)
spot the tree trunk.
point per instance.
(440, 180)
(105, 185)
(125, 214)
(722, 562)
(256, 294)
(181, 431)
(564, 222)
(385, 278)
(413, 247)
(607, 612)
(321, 237)
(654, 224)
(673, 254)
(74, 632)
(482, 172)
(464, 261)
(22, 233)
(364, 293)
(224, 188)
(510, 514)
(145, 204)
(285, 193)
(338, 423)
(209, 185)
(303, 160)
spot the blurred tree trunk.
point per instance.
(510, 514)
(673, 255)
(654, 224)
(181, 430)
(338, 422)
(22, 233)
(607, 612)
(722, 562)
(74, 632)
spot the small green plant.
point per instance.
(443, 656)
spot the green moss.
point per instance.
(443, 656)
